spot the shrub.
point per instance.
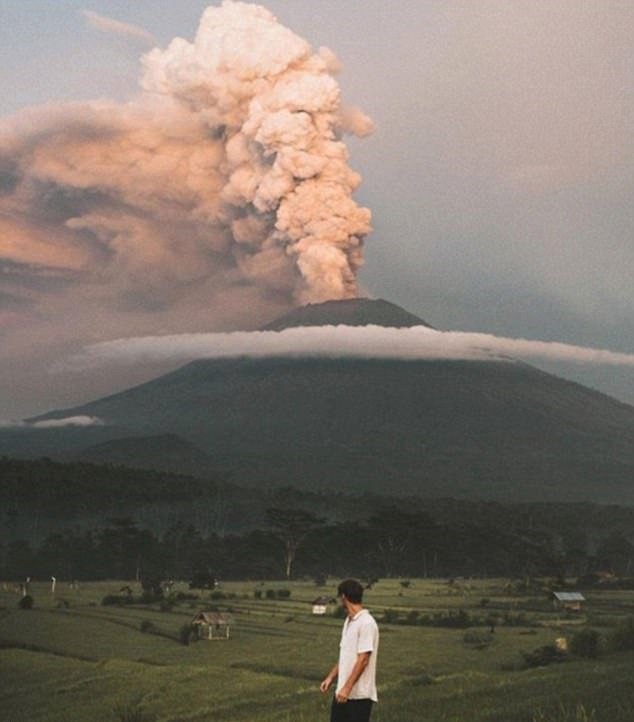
(421, 680)
(622, 638)
(585, 643)
(186, 633)
(148, 627)
(454, 620)
(283, 593)
(257, 594)
(477, 638)
(320, 580)
(270, 593)
(390, 616)
(26, 602)
(217, 595)
(484, 602)
(405, 583)
(540, 657)
(412, 617)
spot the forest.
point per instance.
(90, 522)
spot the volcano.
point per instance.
(496, 429)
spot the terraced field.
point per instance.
(70, 659)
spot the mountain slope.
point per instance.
(490, 429)
(476, 429)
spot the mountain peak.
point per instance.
(348, 312)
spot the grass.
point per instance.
(86, 662)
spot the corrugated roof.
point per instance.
(569, 596)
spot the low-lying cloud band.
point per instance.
(418, 342)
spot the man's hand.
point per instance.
(342, 695)
(325, 685)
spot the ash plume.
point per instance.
(228, 170)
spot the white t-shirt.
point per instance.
(360, 634)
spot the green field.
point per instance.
(70, 659)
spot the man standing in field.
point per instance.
(355, 671)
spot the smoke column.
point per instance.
(228, 169)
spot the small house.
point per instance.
(570, 601)
(212, 625)
(320, 605)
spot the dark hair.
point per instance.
(352, 590)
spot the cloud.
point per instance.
(418, 342)
(67, 421)
(109, 25)
(227, 170)
(78, 421)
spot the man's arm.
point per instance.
(329, 679)
(362, 662)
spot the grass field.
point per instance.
(69, 659)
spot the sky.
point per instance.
(499, 177)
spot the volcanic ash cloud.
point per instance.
(228, 170)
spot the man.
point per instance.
(355, 671)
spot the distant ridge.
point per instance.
(166, 452)
(349, 312)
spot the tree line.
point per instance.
(294, 543)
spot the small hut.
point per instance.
(570, 601)
(212, 625)
(320, 605)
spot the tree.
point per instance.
(291, 527)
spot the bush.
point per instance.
(390, 616)
(405, 583)
(477, 638)
(283, 593)
(452, 620)
(148, 627)
(622, 638)
(186, 633)
(321, 580)
(542, 656)
(412, 617)
(585, 643)
(217, 595)
(339, 613)
(257, 594)
(421, 680)
(26, 602)
(270, 593)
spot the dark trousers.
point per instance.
(354, 710)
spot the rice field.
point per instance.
(70, 659)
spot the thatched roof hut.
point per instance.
(212, 625)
